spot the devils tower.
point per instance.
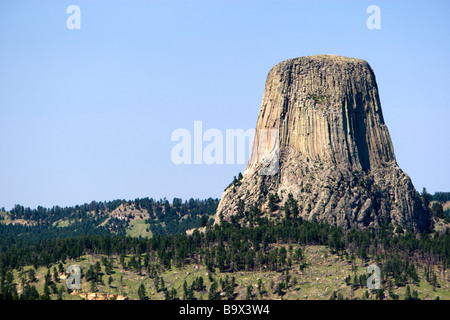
(322, 132)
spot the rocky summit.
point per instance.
(322, 151)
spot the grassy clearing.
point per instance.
(61, 223)
(139, 228)
(324, 274)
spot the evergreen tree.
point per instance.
(32, 275)
(61, 292)
(280, 289)
(426, 197)
(48, 278)
(55, 275)
(46, 294)
(380, 294)
(408, 293)
(415, 295)
(248, 295)
(437, 210)
(93, 286)
(142, 292)
(30, 293)
(213, 294)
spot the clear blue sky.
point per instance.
(88, 114)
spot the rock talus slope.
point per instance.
(321, 122)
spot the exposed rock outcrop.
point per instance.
(332, 149)
(99, 296)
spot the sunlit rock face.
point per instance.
(334, 153)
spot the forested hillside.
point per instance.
(274, 247)
(26, 225)
(36, 245)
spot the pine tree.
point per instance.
(213, 294)
(61, 292)
(55, 275)
(93, 286)
(141, 292)
(248, 295)
(30, 293)
(46, 295)
(380, 294)
(32, 275)
(408, 293)
(279, 289)
(366, 294)
(48, 278)
(426, 197)
(185, 290)
(174, 294)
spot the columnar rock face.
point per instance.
(335, 155)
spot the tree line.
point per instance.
(248, 242)
(95, 219)
(234, 248)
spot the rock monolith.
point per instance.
(321, 141)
